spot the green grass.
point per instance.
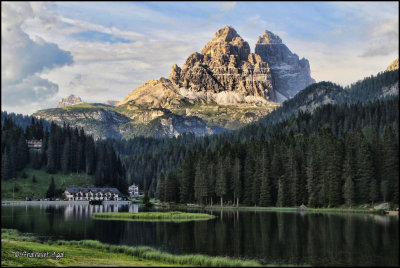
(95, 253)
(25, 187)
(174, 216)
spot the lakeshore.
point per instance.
(281, 209)
(16, 247)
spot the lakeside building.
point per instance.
(91, 194)
(133, 190)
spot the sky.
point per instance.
(102, 51)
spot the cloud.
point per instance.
(23, 59)
(383, 38)
(30, 89)
(227, 5)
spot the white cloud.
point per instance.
(383, 38)
(23, 58)
(227, 5)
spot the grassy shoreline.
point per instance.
(95, 253)
(174, 216)
(278, 209)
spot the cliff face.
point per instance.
(226, 65)
(71, 100)
(290, 73)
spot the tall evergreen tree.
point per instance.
(171, 188)
(237, 181)
(221, 186)
(51, 191)
(161, 187)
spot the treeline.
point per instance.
(22, 120)
(370, 87)
(319, 169)
(63, 149)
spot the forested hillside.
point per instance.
(324, 159)
(63, 149)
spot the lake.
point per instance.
(269, 237)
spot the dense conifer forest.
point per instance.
(63, 149)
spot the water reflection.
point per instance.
(271, 237)
(78, 211)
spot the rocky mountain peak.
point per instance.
(226, 34)
(269, 38)
(70, 100)
(290, 73)
(226, 42)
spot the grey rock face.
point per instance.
(290, 73)
(71, 100)
(225, 64)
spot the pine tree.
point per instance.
(51, 191)
(365, 172)
(65, 158)
(146, 199)
(52, 155)
(161, 187)
(221, 184)
(22, 152)
(390, 171)
(5, 166)
(171, 188)
(313, 177)
(348, 176)
(374, 190)
(237, 181)
(186, 179)
(265, 192)
(200, 183)
(348, 191)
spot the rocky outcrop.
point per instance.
(97, 121)
(225, 65)
(155, 94)
(290, 73)
(393, 66)
(71, 100)
(173, 125)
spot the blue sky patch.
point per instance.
(94, 36)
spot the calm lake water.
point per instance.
(269, 237)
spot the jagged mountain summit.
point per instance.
(290, 73)
(225, 72)
(70, 100)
